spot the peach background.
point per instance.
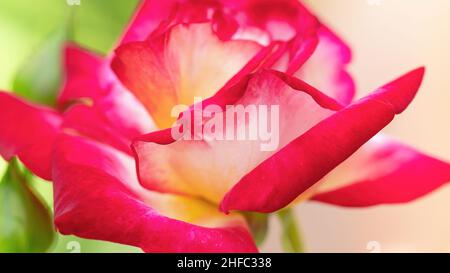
(387, 40)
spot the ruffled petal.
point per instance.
(383, 171)
(186, 62)
(82, 71)
(266, 22)
(210, 166)
(28, 132)
(149, 16)
(326, 68)
(89, 122)
(283, 177)
(89, 80)
(97, 196)
(259, 20)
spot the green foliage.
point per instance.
(25, 25)
(258, 224)
(100, 23)
(25, 221)
(96, 24)
(39, 79)
(290, 236)
(73, 244)
(33, 35)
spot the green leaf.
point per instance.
(100, 23)
(39, 79)
(290, 237)
(25, 222)
(258, 224)
(24, 25)
(73, 244)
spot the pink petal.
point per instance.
(149, 16)
(90, 80)
(97, 196)
(279, 19)
(283, 177)
(28, 132)
(286, 21)
(82, 75)
(326, 69)
(89, 122)
(210, 167)
(186, 62)
(261, 21)
(383, 171)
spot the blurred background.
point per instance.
(31, 36)
(388, 38)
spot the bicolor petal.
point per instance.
(97, 196)
(383, 171)
(89, 80)
(170, 164)
(326, 68)
(258, 20)
(186, 62)
(280, 179)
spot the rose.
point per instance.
(233, 53)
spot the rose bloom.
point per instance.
(119, 174)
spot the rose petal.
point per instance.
(286, 21)
(281, 19)
(189, 61)
(149, 16)
(89, 78)
(28, 132)
(278, 19)
(89, 122)
(282, 178)
(97, 196)
(210, 167)
(326, 69)
(263, 21)
(82, 71)
(383, 171)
